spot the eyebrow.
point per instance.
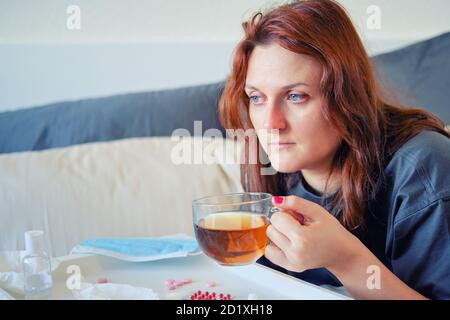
(289, 86)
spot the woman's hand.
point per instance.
(306, 236)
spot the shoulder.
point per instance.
(418, 213)
(424, 146)
(419, 172)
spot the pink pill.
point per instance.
(186, 281)
(170, 283)
(211, 284)
(102, 280)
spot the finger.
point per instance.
(276, 255)
(286, 224)
(278, 238)
(310, 210)
(297, 216)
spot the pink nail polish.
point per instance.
(278, 200)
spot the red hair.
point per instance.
(371, 129)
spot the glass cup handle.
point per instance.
(273, 210)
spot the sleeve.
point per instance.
(421, 250)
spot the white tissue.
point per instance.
(5, 296)
(113, 291)
(12, 281)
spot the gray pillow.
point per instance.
(421, 74)
(155, 113)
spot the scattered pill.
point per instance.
(206, 295)
(169, 282)
(172, 284)
(102, 280)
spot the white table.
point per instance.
(263, 282)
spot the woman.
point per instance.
(365, 183)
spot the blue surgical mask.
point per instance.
(139, 249)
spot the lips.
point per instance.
(281, 145)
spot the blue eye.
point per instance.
(255, 99)
(295, 97)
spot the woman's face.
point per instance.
(284, 95)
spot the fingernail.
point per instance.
(278, 200)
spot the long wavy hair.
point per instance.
(371, 128)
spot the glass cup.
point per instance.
(231, 228)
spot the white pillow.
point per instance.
(124, 188)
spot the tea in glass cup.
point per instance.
(231, 229)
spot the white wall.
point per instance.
(131, 45)
(155, 21)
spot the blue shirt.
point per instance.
(408, 224)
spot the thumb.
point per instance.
(303, 210)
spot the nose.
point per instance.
(274, 118)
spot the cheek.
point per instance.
(320, 143)
(256, 118)
(311, 126)
(317, 138)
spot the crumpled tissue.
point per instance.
(113, 291)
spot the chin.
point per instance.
(285, 166)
